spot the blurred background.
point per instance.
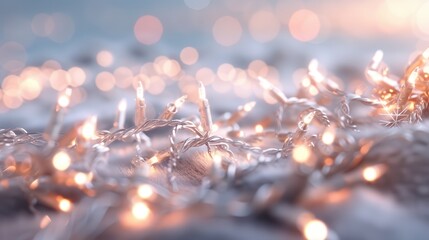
(102, 48)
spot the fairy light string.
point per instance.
(321, 144)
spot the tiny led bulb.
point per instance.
(88, 129)
(309, 117)
(265, 83)
(413, 77)
(140, 210)
(154, 159)
(425, 53)
(122, 106)
(64, 205)
(301, 153)
(64, 98)
(144, 191)
(376, 59)
(61, 160)
(140, 91)
(180, 101)
(201, 91)
(315, 230)
(372, 173)
(328, 136)
(249, 106)
(82, 178)
(259, 128)
(313, 65)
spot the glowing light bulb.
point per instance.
(259, 128)
(425, 53)
(201, 90)
(328, 136)
(249, 106)
(140, 210)
(154, 159)
(265, 83)
(308, 118)
(140, 91)
(313, 65)
(64, 98)
(82, 178)
(372, 173)
(376, 59)
(413, 77)
(301, 153)
(180, 101)
(88, 129)
(145, 191)
(65, 205)
(61, 160)
(315, 230)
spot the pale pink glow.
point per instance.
(304, 25)
(227, 31)
(189, 55)
(105, 58)
(105, 81)
(264, 26)
(148, 30)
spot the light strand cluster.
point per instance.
(83, 165)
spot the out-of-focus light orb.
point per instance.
(315, 230)
(402, 9)
(264, 26)
(12, 56)
(12, 102)
(257, 68)
(59, 80)
(105, 81)
(104, 58)
(63, 28)
(157, 85)
(304, 25)
(145, 191)
(61, 160)
(82, 178)
(189, 55)
(148, 30)
(171, 68)
(422, 20)
(65, 205)
(371, 173)
(124, 77)
(43, 25)
(205, 75)
(226, 72)
(197, 4)
(259, 128)
(301, 153)
(30, 88)
(227, 31)
(140, 210)
(77, 76)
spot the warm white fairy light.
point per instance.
(204, 108)
(328, 136)
(372, 173)
(64, 205)
(45, 221)
(259, 128)
(172, 108)
(301, 154)
(119, 122)
(81, 178)
(274, 92)
(140, 210)
(140, 112)
(88, 129)
(308, 117)
(241, 112)
(315, 230)
(61, 160)
(53, 130)
(145, 191)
